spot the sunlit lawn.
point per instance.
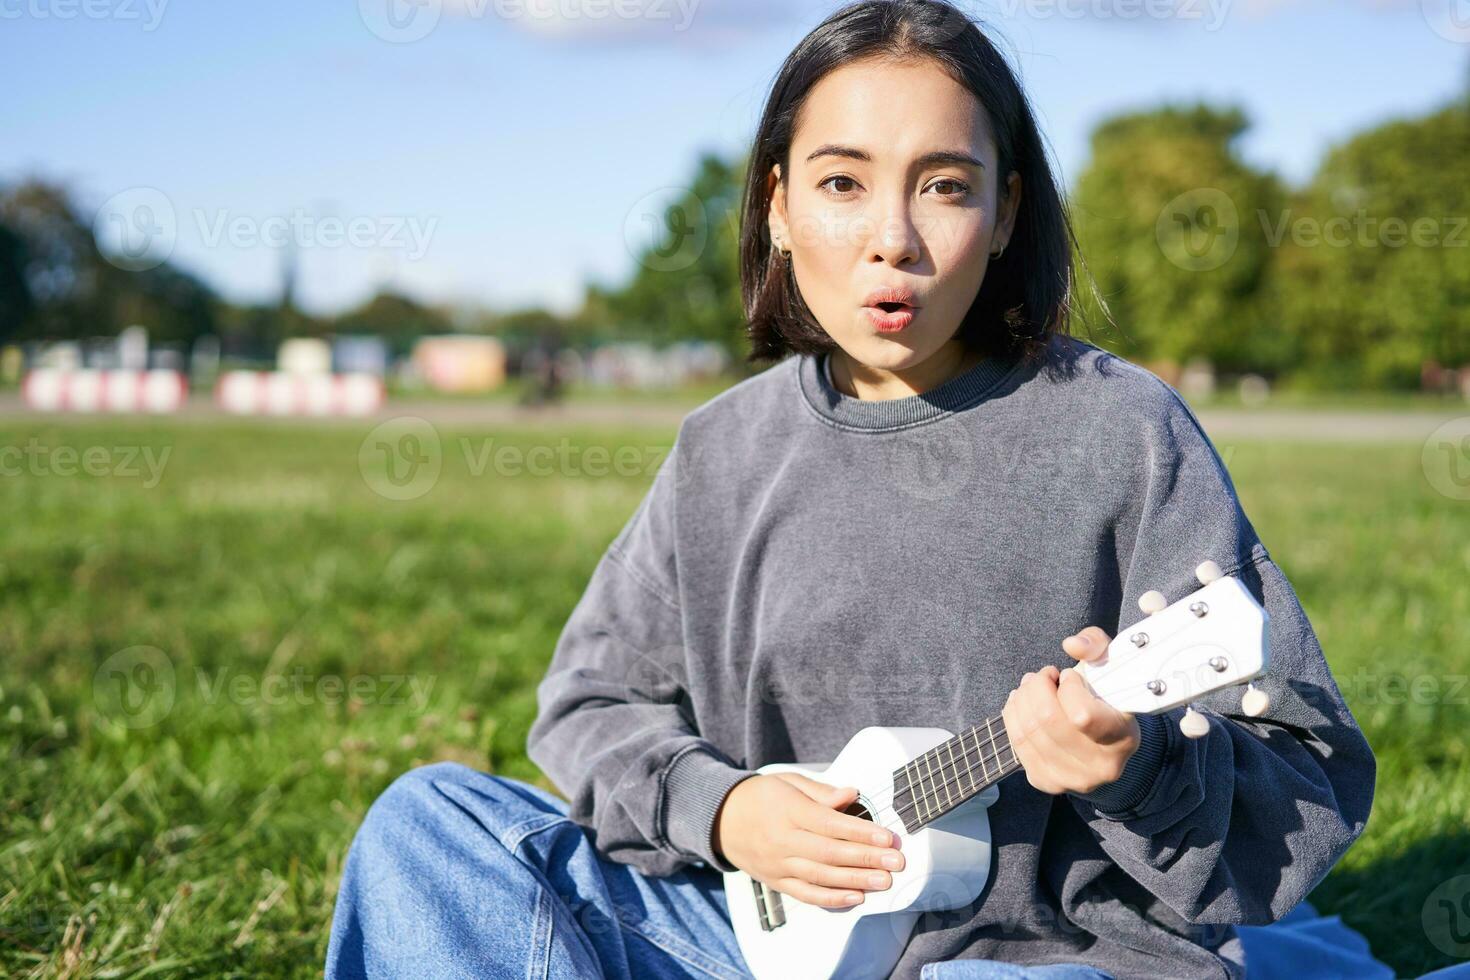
(210, 669)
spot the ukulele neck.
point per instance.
(952, 772)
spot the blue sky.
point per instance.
(504, 152)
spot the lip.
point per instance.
(886, 321)
(892, 294)
(890, 322)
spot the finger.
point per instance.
(1090, 715)
(1089, 643)
(1063, 758)
(1031, 704)
(1083, 710)
(844, 854)
(1020, 730)
(1015, 732)
(1020, 717)
(1066, 754)
(827, 898)
(1052, 746)
(843, 878)
(1043, 679)
(823, 793)
(827, 822)
(1049, 733)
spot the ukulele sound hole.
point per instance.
(857, 809)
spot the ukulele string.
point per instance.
(965, 763)
(1001, 743)
(946, 772)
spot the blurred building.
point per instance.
(459, 363)
(132, 348)
(304, 355)
(360, 354)
(63, 355)
(637, 365)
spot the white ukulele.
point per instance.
(933, 788)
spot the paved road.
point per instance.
(1310, 425)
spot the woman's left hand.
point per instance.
(1068, 739)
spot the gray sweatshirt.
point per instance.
(807, 563)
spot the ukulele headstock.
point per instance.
(1211, 639)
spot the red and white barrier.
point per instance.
(57, 390)
(279, 393)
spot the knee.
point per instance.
(411, 803)
(428, 798)
(412, 788)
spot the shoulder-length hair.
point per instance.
(1026, 295)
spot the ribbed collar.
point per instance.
(958, 393)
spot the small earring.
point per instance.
(996, 255)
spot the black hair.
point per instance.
(1027, 293)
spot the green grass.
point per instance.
(201, 832)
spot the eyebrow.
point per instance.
(937, 158)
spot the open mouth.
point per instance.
(893, 307)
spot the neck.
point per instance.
(952, 772)
(859, 380)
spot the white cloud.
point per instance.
(700, 22)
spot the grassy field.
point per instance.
(222, 642)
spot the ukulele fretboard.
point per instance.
(951, 773)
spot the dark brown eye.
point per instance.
(832, 182)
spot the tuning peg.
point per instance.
(1194, 724)
(1207, 572)
(1152, 601)
(1255, 701)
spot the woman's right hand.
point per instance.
(789, 832)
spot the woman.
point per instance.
(895, 525)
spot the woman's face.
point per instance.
(892, 183)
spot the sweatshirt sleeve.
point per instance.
(1240, 825)
(615, 729)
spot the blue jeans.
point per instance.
(455, 873)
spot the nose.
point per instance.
(896, 239)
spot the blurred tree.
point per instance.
(687, 282)
(250, 333)
(396, 318)
(15, 293)
(1374, 277)
(74, 292)
(522, 329)
(594, 321)
(1165, 215)
(175, 307)
(68, 281)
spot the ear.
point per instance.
(1010, 206)
(776, 213)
